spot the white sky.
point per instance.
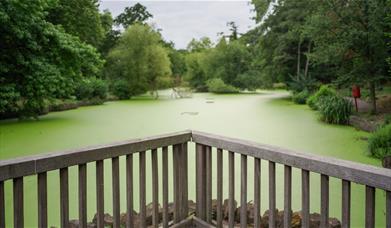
(182, 20)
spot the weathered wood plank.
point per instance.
(324, 200)
(116, 192)
(184, 186)
(165, 186)
(200, 181)
(83, 195)
(42, 163)
(100, 194)
(42, 201)
(177, 184)
(287, 196)
(208, 184)
(155, 188)
(2, 205)
(64, 198)
(142, 198)
(129, 191)
(305, 198)
(219, 218)
(231, 190)
(351, 171)
(243, 191)
(272, 194)
(18, 202)
(388, 209)
(345, 204)
(184, 223)
(257, 192)
(370, 207)
(201, 223)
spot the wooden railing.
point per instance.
(372, 177)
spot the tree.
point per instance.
(132, 15)
(80, 18)
(140, 59)
(111, 35)
(39, 60)
(196, 74)
(200, 45)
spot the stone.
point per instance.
(334, 223)
(314, 220)
(123, 217)
(226, 208)
(296, 220)
(387, 162)
(74, 223)
(91, 225)
(107, 219)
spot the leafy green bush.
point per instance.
(335, 109)
(379, 143)
(324, 91)
(121, 89)
(9, 96)
(91, 88)
(216, 85)
(300, 98)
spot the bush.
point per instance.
(379, 143)
(324, 91)
(216, 85)
(335, 109)
(300, 98)
(121, 89)
(91, 88)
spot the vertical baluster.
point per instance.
(201, 181)
(243, 191)
(142, 190)
(155, 189)
(388, 209)
(324, 200)
(305, 198)
(2, 205)
(18, 203)
(116, 193)
(177, 199)
(42, 200)
(257, 192)
(184, 186)
(165, 186)
(231, 200)
(129, 191)
(219, 217)
(100, 194)
(83, 195)
(64, 198)
(272, 194)
(345, 204)
(208, 184)
(287, 196)
(369, 207)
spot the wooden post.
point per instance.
(2, 205)
(208, 208)
(305, 198)
(272, 194)
(369, 207)
(83, 195)
(18, 203)
(345, 204)
(201, 181)
(165, 186)
(243, 191)
(100, 202)
(257, 192)
(64, 198)
(155, 188)
(129, 191)
(231, 198)
(287, 196)
(324, 201)
(42, 201)
(142, 190)
(219, 216)
(116, 192)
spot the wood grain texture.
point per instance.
(165, 186)
(231, 190)
(369, 207)
(185, 181)
(324, 200)
(305, 198)
(345, 221)
(129, 191)
(243, 191)
(64, 198)
(155, 188)
(100, 202)
(83, 195)
(42, 200)
(116, 192)
(272, 194)
(200, 181)
(142, 186)
(257, 192)
(287, 196)
(18, 202)
(2, 205)
(219, 216)
(208, 184)
(177, 182)
(342, 169)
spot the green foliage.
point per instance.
(196, 74)
(91, 88)
(324, 91)
(300, 97)
(9, 97)
(335, 109)
(199, 45)
(217, 85)
(121, 89)
(302, 83)
(132, 15)
(379, 143)
(140, 59)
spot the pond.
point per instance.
(266, 117)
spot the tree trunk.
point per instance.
(298, 59)
(372, 94)
(308, 60)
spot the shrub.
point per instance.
(91, 88)
(324, 91)
(379, 143)
(216, 85)
(335, 109)
(121, 89)
(300, 98)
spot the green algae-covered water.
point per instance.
(267, 117)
